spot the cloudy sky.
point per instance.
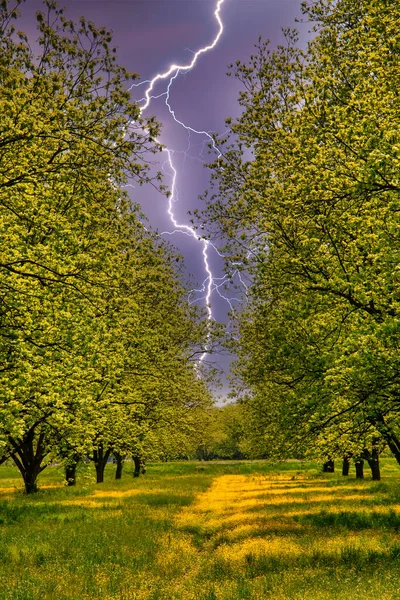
(151, 35)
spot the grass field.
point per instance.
(230, 531)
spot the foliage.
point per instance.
(97, 340)
(221, 435)
(313, 216)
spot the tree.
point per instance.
(230, 422)
(313, 217)
(93, 323)
(158, 383)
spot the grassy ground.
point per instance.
(230, 531)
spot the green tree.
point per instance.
(230, 418)
(314, 217)
(94, 329)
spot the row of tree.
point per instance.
(98, 344)
(307, 196)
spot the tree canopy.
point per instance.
(313, 216)
(97, 339)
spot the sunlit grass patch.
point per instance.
(258, 546)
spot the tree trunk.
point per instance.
(375, 469)
(119, 458)
(100, 458)
(359, 464)
(373, 461)
(70, 474)
(346, 466)
(30, 481)
(70, 469)
(328, 466)
(388, 435)
(28, 457)
(138, 463)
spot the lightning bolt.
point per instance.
(210, 283)
(172, 71)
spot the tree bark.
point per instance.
(119, 458)
(345, 466)
(100, 458)
(328, 466)
(359, 464)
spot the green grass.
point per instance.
(230, 531)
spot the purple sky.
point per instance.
(150, 36)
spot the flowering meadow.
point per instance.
(189, 531)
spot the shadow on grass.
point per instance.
(349, 558)
(167, 499)
(11, 513)
(354, 521)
